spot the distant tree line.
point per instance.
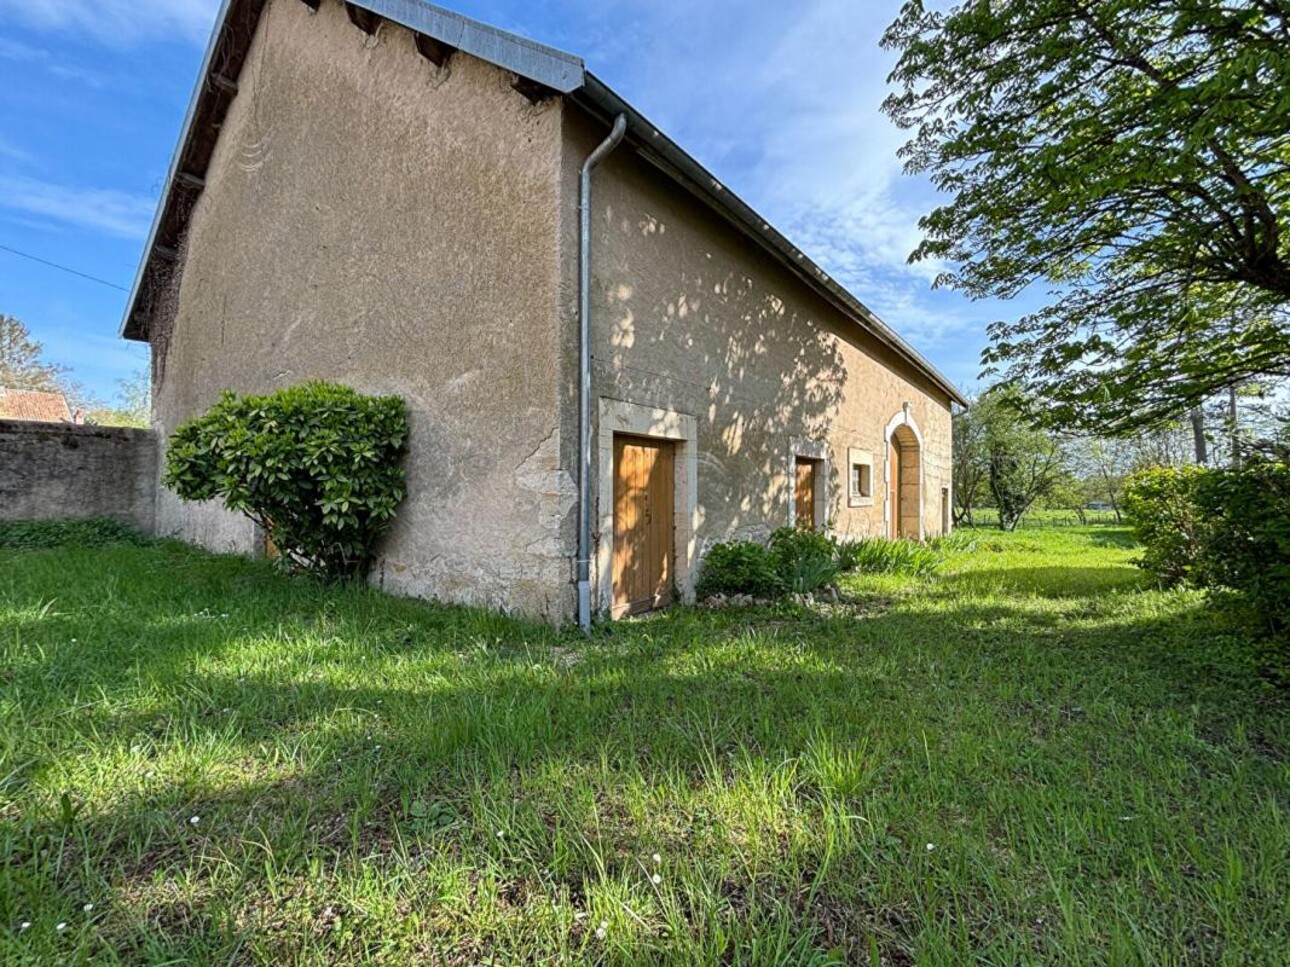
(1006, 460)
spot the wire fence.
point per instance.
(989, 517)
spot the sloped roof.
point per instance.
(21, 404)
(537, 68)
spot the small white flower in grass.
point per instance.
(60, 927)
(88, 907)
(194, 820)
(657, 859)
(602, 930)
(930, 847)
(25, 925)
(501, 834)
(656, 879)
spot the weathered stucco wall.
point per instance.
(58, 471)
(372, 219)
(693, 318)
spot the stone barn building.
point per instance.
(386, 194)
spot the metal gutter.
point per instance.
(603, 150)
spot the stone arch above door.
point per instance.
(904, 476)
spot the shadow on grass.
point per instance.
(423, 730)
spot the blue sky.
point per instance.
(780, 100)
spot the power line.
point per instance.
(63, 268)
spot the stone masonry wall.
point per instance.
(63, 471)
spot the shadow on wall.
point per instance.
(709, 339)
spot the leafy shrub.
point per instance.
(741, 567)
(42, 534)
(805, 560)
(1159, 503)
(1222, 529)
(317, 466)
(880, 555)
(1245, 537)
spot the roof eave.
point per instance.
(553, 69)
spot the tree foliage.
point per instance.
(1130, 156)
(316, 466)
(133, 404)
(22, 363)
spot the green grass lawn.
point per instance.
(1032, 757)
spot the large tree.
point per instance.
(1132, 159)
(22, 365)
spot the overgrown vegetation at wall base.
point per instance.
(317, 466)
(1038, 756)
(878, 555)
(43, 534)
(1224, 528)
(800, 561)
(739, 567)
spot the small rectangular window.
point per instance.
(860, 478)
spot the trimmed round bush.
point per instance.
(317, 466)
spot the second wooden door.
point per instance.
(804, 484)
(643, 524)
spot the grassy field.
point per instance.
(1032, 757)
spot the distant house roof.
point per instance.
(22, 404)
(537, 69)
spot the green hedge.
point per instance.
(1221, 529)
(1160, 504)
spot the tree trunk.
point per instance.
(1234, 427)
(1198, 435)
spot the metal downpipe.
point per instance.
(584, 368)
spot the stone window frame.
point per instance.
(857, 457)
(817, 450)
(635, 419)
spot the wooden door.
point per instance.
(804, 483)
(894, 486)
(644, 532)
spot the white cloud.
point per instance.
(102, 210)
(14, 153)
(117, 22)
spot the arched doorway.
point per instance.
(904, 484)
